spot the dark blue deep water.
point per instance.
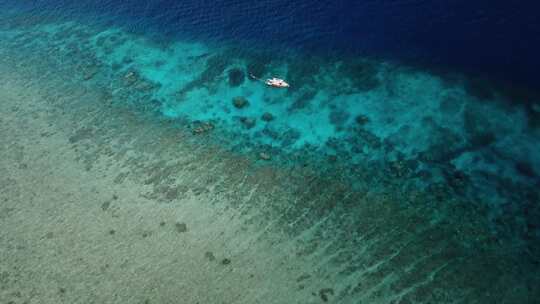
(492, 38)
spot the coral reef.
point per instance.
(236, 77)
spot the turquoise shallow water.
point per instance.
(376, 126)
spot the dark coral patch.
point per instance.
(257, 66)
(303, 100)
(325, 293)
(362, 74)
(236, 77)
(181, 227)
(210, 256)
(240, 102)
(267, 116)
(248, 122)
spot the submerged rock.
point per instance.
(332, 158)
(399, 168)
(146, 86)
(210, 256)
(290, 137)
(181, 227)
(130, 78)
(90, 72)
(369, 138)
(202, 127)
(361, 119)
(271, 133)
(264, 156)
(303, 100)
(325, 293)
(236, 77)
(248, 122)
(267, 117)
(240, 102)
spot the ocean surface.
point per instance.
(401, 166)
(491, 38)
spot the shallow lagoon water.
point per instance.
(387, 181)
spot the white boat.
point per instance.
(277, 83)
(273, 82)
